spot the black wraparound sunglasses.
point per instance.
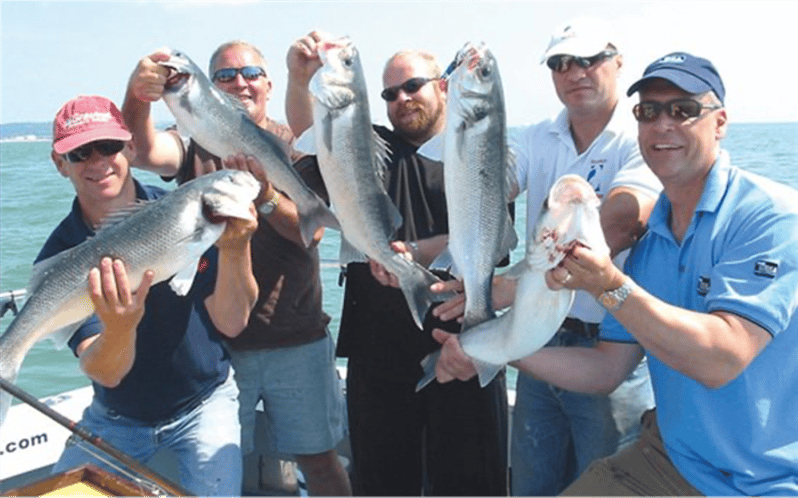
(678, 109)
(104, 147)
(562, 63)
(410, 86)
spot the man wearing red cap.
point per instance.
(161, 377)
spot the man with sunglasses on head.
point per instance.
(285, 355)
(556, 433)
(160, 373)
(708, 294)
(444, 440)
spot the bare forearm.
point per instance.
(108, 357)
(298, 105)
(597, 370)
(624, 215)
(156, 151)
(712, 348)
(235, 293)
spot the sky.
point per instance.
(53, 51)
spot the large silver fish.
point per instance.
(475, 171)
(168, 236)
(570, 217)
(351, 159)
(220, 124)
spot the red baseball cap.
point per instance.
(87, 118)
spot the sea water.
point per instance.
(34, 198)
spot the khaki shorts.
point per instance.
(642, 469)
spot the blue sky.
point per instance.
(52, 51)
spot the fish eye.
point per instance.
(348, 61)
(485, 71)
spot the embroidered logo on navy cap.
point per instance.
(703, 286)
(203, 265)
(767, 269)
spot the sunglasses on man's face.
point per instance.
(678, 109)
(409, 87)
(228, 74)
(562, 63)
(106, 148)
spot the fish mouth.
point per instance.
(177, 77)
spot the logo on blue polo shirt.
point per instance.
(703, 286)
(767, 269)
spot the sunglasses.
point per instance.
(409, 87)
(678, 109)
(228, 74)
(562, 63)
(106, 148)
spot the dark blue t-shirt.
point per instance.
(179, 354)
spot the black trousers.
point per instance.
(447, 440)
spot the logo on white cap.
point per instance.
(87, 117)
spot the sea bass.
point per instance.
(168, 236)
(220, 124)
(476, 171)
(570, 217)
(351, 159)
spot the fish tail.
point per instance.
(428, 364)
(486, 371)
(9, 369)
(416, 288)
(310, 221)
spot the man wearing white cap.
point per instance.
(556, 433)
(708, 295)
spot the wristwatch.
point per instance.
(267, 207)
(612, 300)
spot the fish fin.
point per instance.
(182, 280)
(511, 180)
(486, 371)
(61, 336)
(9, 369)
(382, 149)
(348, 253)
(327, 131)
(119, 215)
(310, 221)
(428, 365)
(415, 287)
(509, 240)
(382, 156)
(445, 262)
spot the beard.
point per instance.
(420, 127)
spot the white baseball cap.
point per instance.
(582, 37)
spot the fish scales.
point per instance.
(221, 125)
(476, 172)
(570, 217)
(351, 159)
(168, 236)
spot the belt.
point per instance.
(589, 330)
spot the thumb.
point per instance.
(441, 336)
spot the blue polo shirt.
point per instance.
(179, 354)
(740, 255)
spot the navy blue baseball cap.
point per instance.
(691, 74)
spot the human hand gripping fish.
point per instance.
(568, 226)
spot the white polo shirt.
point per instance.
(546, 151)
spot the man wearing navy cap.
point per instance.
(708, 295)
